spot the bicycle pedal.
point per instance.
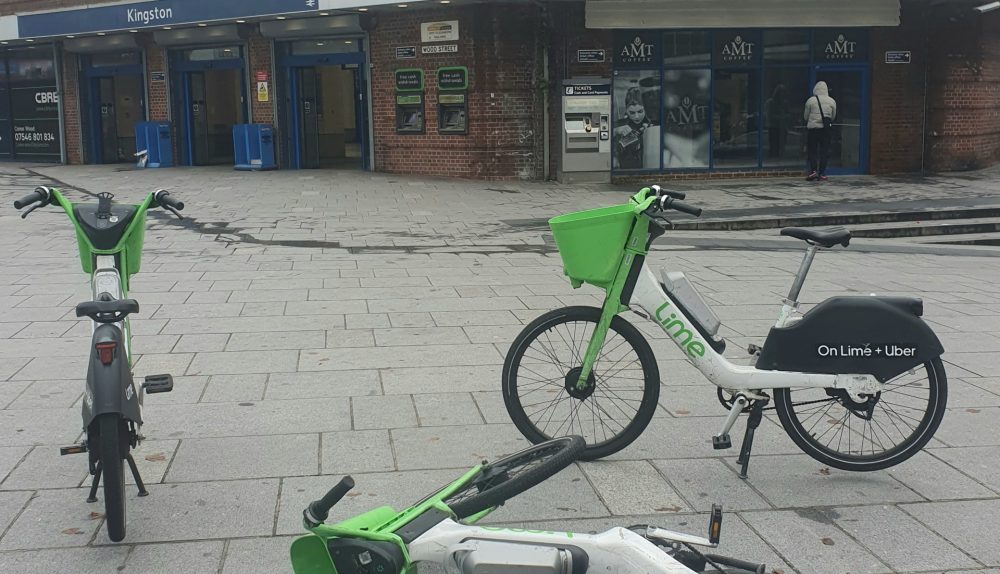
(722, 442)
(75, 449)
(753, 349)
(158, 384)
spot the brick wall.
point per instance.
(897, 95)
(498, 43)
(567, 34)
(964, 94)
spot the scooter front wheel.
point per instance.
(882, 431)
(543, 366)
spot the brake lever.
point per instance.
(24, 214)
(172, 210)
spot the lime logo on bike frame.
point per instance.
(694, 347)
(524, 531)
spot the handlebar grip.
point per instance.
(685, 208)
(27, 200)
(740, 564)
(319, 510)
(165, 200)
(661, 192)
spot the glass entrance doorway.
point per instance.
(209, 99)
(113, 101)
(327, 117)
(118, 106)
(324, 104)
(848, 87)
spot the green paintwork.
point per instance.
(634, 245)
(310, 555)
(130, 245)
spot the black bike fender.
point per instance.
(110, 388)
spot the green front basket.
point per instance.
(592, 242)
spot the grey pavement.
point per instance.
(320, 323)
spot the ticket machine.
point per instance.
(586, 127)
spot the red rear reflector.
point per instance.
(106, 351)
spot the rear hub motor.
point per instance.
(571, 384)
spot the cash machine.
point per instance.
(586, 130)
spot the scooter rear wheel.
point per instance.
(881, 432)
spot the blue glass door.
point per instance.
(849, 142)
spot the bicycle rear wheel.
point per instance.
(113, 442)
(544, 364)
(506, 478)
(888, 428)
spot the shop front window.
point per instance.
(636, 120)
(115, 59)
(324, 46)
(786, 47)
(736, 124)
(688, 48)
(785, 89)
(686, 97)
(34, 104)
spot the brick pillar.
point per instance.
(157, 98)
(259, 54)
(70, 97)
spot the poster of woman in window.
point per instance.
(636, 140)
(685, 128)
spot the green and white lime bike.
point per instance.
(441, 530)
(110, 238)
(857, 382)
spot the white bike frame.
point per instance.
(660, 307)
(615, 551)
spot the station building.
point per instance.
(574, 90)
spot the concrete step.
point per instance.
(853, 219)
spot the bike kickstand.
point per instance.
(93, 485)
(135, 475)
(753, 421)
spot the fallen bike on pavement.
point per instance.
(437, 530)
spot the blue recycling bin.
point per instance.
(254, 146)
(154, 137)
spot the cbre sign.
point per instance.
(157, 13)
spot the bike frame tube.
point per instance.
(716, 368)
(615, 551)
(635, 246)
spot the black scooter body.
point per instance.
(879, 336)
(110, 388)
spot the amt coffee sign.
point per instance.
(737, 49)
(637, 49)
(840, 46)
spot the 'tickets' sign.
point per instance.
(640, 49)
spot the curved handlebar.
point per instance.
(660, 192)
(163, 198)
(682, 207)
(318, 511)
(41, 194)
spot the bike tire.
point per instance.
(926, 426)
(113, 444)
(514, 395)
(508, 477)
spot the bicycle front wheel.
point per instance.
(113, 442)
(504, 479)
(882, 431)
(544, 364)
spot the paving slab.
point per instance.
(898, 540)
(245, 419)
(234, 388)
(200, 460)
(44, 468)
(971, 525)
(811, 542)
(239, 362)
(454, 446)
(325, 384)
(967, 427)
(20, 427)
(704, 482)
(100, 560)
(442, 355)
(982, 463)
(419, 380)
(383, 412)
(187, 557)
(259, 556)
(35, 527)
(201, 343)
(356, 451)
(445, 409)
(633, 487)
(49, 394)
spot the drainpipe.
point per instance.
(927, 64)
(57, 55)
(545, 112)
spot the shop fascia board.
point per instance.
(634, 14)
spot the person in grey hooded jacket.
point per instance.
(817, 134)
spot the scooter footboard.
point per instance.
(880, 336)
